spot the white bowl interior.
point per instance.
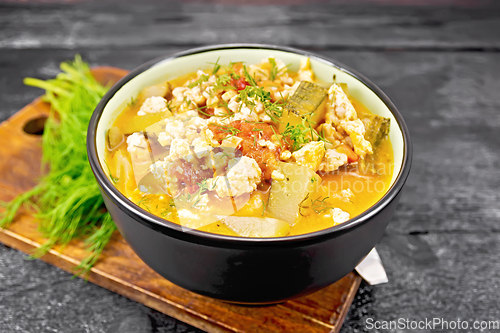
(171, 68)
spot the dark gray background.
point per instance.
(438, 60)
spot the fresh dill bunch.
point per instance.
(67, 198)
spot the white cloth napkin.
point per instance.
(371, 269)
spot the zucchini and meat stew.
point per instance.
(250, 150)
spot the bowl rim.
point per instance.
(164, 225)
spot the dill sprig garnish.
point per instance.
(67, 198)
(216, 66)
(222, 83)
(253, 93)
(201, 79)
(297, 134)
(248, 77)
(301, 134)
(193, 199)
(277, 136)
(273, 73)
(320, 205)
(233, 131)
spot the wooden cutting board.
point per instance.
(121, 271)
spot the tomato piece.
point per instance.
(240, 83)
(267, 159)
(351, 155)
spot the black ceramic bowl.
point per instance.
(247, 270)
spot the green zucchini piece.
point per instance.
(303, 104)
(376, 129)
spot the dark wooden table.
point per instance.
(439, 63)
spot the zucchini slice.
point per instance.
(304, 104)
(376, 129)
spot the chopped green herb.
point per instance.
(216, 67)
(222, 81)
(252, 93)
(115, 180)
(132, 101)
(314, 134)
(297, 134)
(254, 122)
(215, 182)
(301, 134)
(228, 129)
(146, 206)
(169, 210)
(201, 79)
(274, 69)
(234, 76)
(143, 199)
(193, 199)
(275, 111)
(276, 134)
(319, 205)
(232, 63)
(248, 77)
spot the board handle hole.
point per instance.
(35, 126)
